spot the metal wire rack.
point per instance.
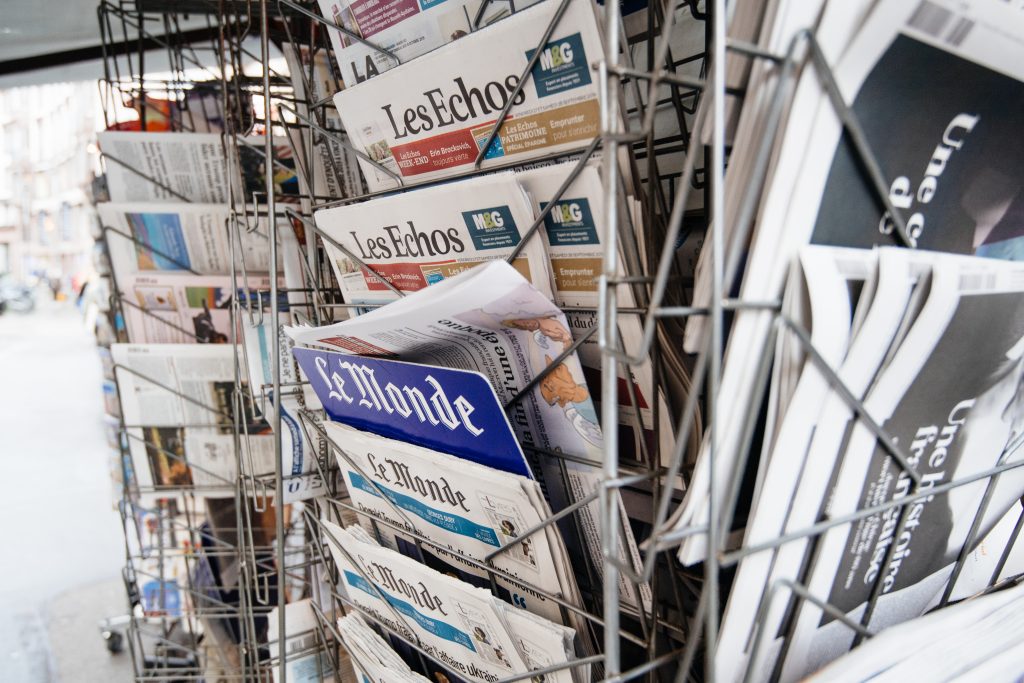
(663, 108)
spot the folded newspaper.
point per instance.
(306, 661)
(334, 167)
(179, 404)
(469, 510)
(474, 634)
(953, 400)
(976, 641)
(572, 232)
(405, 29)
(189, 166)
(491, 320)
(947, 396)
(429, 118)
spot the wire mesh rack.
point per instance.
(662, 144)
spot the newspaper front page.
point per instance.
(952, 399)
(428, 119)
(190, 164)
(417, 239)
(491, 320)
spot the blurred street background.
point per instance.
(61, 537)
(62, 547)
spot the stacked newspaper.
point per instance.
(900, 329)
(416, 239)
(180, 407)
(491, 320)
(331, 167)
(470, 632)
(372, 658)
(948, 153)
(977, 641)
(429, 118)
(178, 237)
(189, 167)
(379, 37)
(468, 510)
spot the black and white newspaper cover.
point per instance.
(952, 400)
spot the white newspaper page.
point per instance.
(190, 164)
(417, 239)
(179, 404)
(429, 118)
(467, 508)
(491, 320)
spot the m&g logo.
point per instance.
(488, 220)
(492, 227)
(561, 66)
(556, 54)
(566, 212)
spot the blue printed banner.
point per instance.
(448, 410)
(441, 629)
(449, 522)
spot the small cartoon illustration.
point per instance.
(543, 328)
(559, 387)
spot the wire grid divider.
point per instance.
(702, 629)
(126, 77)
(644, 630)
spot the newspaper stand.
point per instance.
(644, 83)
